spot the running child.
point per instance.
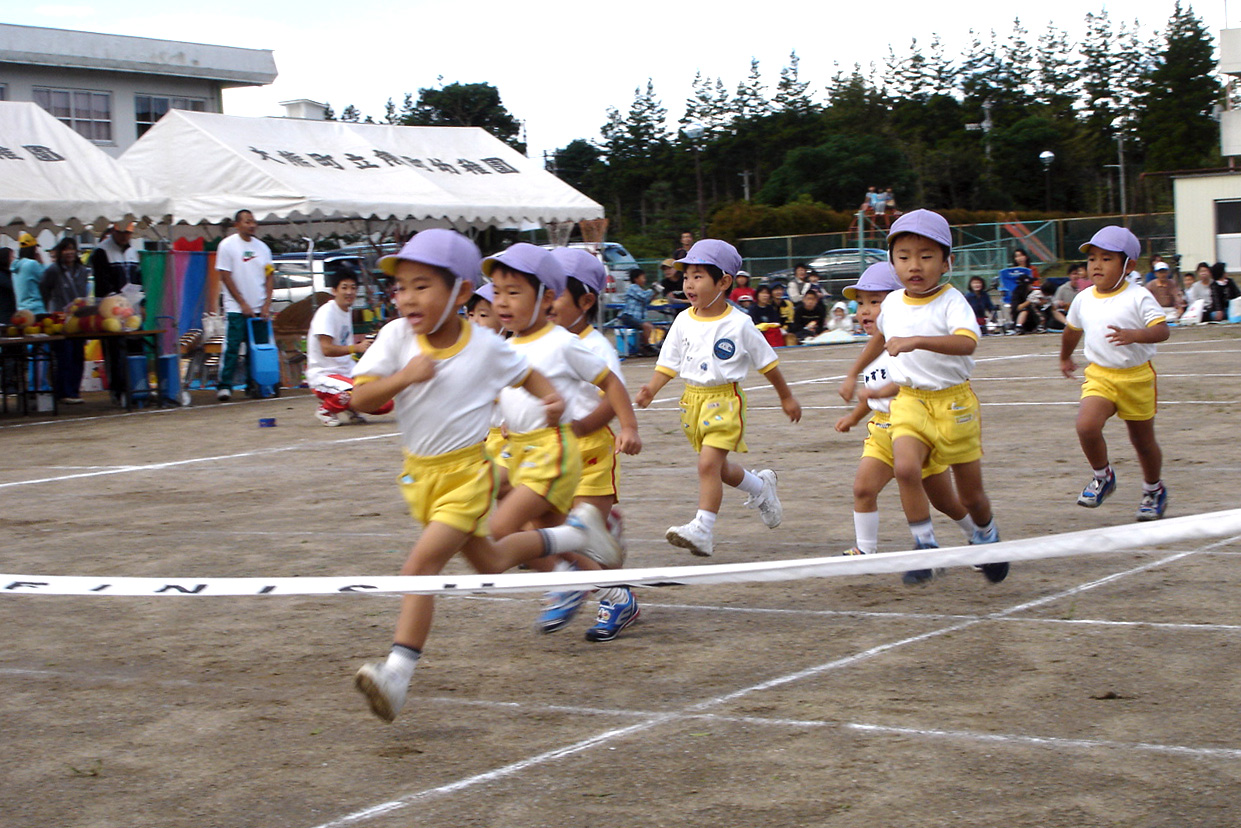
(576, 309)
(545, 463)
(875, 469)
(931, 332)
(713, 345)
(1121, 323)
(480, 310)
(444, 375)
(330, 353)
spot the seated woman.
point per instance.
(1021, 258)
(767, 316)
(1024, 307)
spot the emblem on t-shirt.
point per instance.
(248, 255)
(725, 349)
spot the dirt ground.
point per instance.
(1100, 690)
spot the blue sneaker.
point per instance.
(1153, 504)
(1097, 490)
(994, 572)
(559, 609)
(916, 577)
(613, 617)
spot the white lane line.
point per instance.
(702, 706)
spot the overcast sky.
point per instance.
(560, 66)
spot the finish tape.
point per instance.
(1225, 524)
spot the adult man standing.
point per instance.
(246, 280)
(115, 265)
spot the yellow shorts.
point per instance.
(455, 489)
(495, 445)
(599, 465)
(714, 415)
(879, 445)
(946, 420)
(1132, 390)
(548, 462)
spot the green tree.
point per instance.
(792, 94)
(751, 99)
(466, 104)
(836, 172)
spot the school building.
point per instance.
(113, 88)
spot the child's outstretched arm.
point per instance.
(617, 396)
(370, 394)
(1128, 336)
(541, 387)
(854, 417)
(1068, 342)
(647, 393)
(951, 344)
(787, 401)
(870, 352)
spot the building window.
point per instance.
(89, 113)
(150, 108)
(4, 91)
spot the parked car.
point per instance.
(836, 268)
(615, 258)
(296, 277)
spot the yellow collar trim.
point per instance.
(693, 314)
(585, 332)
(541, 332)
(463, 339)
(1124, 283)
(925, 298)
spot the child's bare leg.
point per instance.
(872, 475)
(943, 495)
(713, 465)
(438, 543)
(909, 454)
(1092, 414)
(513, 546)
(968, 477)
(1150, 456)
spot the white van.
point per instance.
(615, 258)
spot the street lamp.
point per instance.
(693, 132)
(1047, 156)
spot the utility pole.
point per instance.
(745, 182)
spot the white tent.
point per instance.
(327, 171)
(52, 177)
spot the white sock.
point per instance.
(866, 530)
(923, 531)
(751, 483)
(614, 595)
(402, 660)
(564, 538)
(968, 526)
(707, 519)
(1099, 474)
(1151, 488)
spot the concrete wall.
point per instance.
(22, 80)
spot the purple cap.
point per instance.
(880, 276)
(441, 248)
(923, 223)
(1116, 239)
(532, 259)
(583, 266)
(712, 252)
(487, 292)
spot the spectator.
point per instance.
(889, 202)
(8, 301)
(330, 353)
(1201, 288)
(1021, 258)
(797, 285)
(767, 317)
(633, 314)
(810, 317)
(26, 275)
(840, 320)
(114, 264)
(980, 300)
(1223, 291)
(741, 289)
(782, 304)
(687, 241)
(246, 281)
(1166, 292)
(673, 284)
(812, 284)
(64, 280)
(1078, 281)
(1156, 260)
(1026, 317)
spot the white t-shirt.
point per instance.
(714, 351)
(601, 345)
(453, 409)
(1132, 306)
(337, 323)
(944, 313)
(573, 369)
(876, 376)
(246, 262)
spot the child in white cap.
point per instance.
(713, 345)
(930, 330)
(1121, 323)
(875, 398)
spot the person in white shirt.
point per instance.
(330, 351)
(246, 280)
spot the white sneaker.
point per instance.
(692, 536)
(355, 418)
(327, 418)
(384, 691)
(601, 547)
(224, 394)
(766, 502)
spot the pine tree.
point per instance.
(940, 71)
(351, 114)
(750, 102)
(907, 76)
(792, 95)
(1098, 73)
(980, 70)
(1017, 67)
(1056, 81)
